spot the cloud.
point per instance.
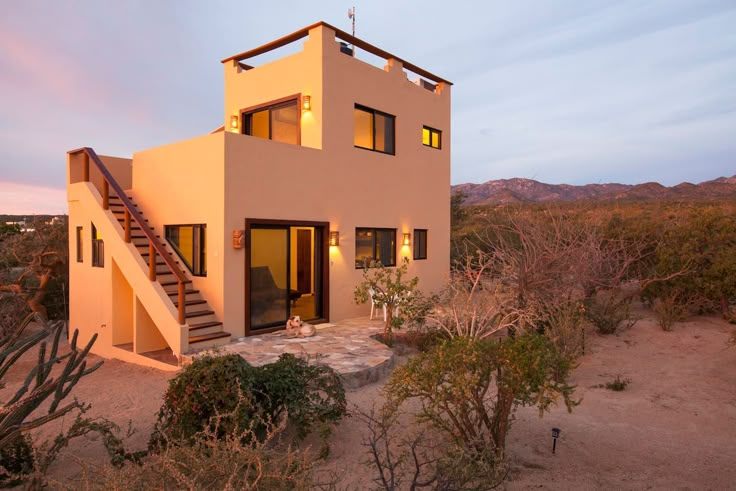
(22, 199)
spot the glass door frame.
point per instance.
(321, 228)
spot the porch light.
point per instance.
(334, 238)
(234, 122)
(407, 239)
(307, 102)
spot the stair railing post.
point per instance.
(181, 304)
(127, 226)
(151, 262)
(85, 166)
(105, 195)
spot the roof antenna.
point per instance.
(351, 15)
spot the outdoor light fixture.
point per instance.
(407, 239)
(307, 102)
(234, 122)
(555, 435)
(334, 238)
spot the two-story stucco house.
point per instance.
(323, 160)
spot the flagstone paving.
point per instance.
(345, 346)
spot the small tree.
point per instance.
(389, 289)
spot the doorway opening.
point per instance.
(285, 273)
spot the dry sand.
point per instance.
(674, 427)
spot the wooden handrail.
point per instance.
(155, 245)
(339, 34)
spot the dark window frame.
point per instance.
(375, 231)
(275, 104)
(418, 243)
(374, 112)
(432, 131)
(80, 244)
(200, 267)
(98, 249)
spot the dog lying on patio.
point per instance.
(296, 328)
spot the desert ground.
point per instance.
(673, 427)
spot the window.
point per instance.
(374, 130)
(190, 244)
(98, 249)
(431, 137)
(420, 243)
(278, 122)
(80, 243)
(375, 244)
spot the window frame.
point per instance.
(415, 246)
(375, 231)
(373, 112)
(80, 244)
(98, 248)
(275, 104)
(199, 269)
(432, 131)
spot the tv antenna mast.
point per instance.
(351, 15)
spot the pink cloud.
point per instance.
(25, 199)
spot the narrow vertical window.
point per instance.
(98, 249)
(80, 245)
(420, 243)
(431, 137)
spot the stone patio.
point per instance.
(345, 346)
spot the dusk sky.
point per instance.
(558, 91)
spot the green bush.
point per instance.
(609, 311)
(207, 395)
(16, 461)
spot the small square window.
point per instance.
(190, 244)
(374, 130)
(375, 244)
(431, 137)
(420, 243)
(98, 249)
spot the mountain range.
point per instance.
(519, 190)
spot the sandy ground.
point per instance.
(674, 427)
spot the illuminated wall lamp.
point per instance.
(334, 238)
(407, 239)
(307, 102)
(234, 122)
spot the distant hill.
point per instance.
(518, 190)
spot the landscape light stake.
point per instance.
(555, 434)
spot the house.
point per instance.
(323, 160)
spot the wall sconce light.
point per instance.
(407, 239)
(307, 102)
(238, 239)
(234, 122)
(334, 238)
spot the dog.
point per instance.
(295, 327)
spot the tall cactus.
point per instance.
(39, 385)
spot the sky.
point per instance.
(561, 91)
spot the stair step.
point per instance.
(133, 225)
(172, 283)
(115, 196)
(186, 292)
(190, 302)
(199, 313)
(144, 254)
(209, 337)
(203, 325)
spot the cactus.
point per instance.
(39, 385)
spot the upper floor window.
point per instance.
(190, 244)
(98, 249)
(374, 130)
(278, 122)
(375, 244)
(431, 137)
(420, 243)
(80, 246)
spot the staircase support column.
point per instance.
(85, 167)
(181, 304)
(105, 195)
(127, 227)
(151, 262)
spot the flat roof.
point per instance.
(304, 32)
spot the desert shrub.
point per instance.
(469, 388)
(618, 384)
(668, 309)
(610, 311)
(310, 396)
(564, 324)
(16, 461)
(216, 459)
(202, 390)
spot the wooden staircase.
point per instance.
(204, 328)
